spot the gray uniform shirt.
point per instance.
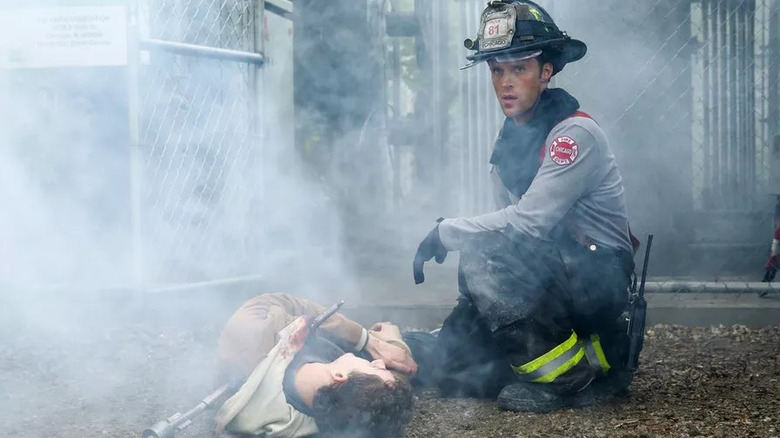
(577, 185)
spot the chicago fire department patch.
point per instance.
(564, 150)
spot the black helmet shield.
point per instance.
(520, 29)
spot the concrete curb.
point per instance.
(689, 309)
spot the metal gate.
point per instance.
(196, 113)
(731, 89)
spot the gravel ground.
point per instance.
(693, 382)
(107, 379)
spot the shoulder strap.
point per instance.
(579, 113)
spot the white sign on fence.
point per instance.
(83, 36)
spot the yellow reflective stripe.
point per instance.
(549, 356)
(566, 366)
(596, 342)
(546, 368)
(590, 355)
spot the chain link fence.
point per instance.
(686, 90)
(688, 94)
(227, 24)
(197, 158)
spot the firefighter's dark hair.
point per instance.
(551, 56)
(364, 406)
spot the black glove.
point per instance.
(429, 248)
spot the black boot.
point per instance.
(546, 397)
(531, 397)
(543, 397)
(602, 390)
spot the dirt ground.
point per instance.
(693, 382)
(81, 377)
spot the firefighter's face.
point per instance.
(518, 85)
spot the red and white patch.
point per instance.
(564, 151)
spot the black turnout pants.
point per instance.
(519, 299)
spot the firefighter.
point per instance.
(544, 279)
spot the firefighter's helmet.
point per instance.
(520, 29)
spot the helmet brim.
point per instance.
(568, 49)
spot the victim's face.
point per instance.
(349, 363)
(518, 85)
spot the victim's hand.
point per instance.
(393, 356)
(386, 331)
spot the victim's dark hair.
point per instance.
(364, 406)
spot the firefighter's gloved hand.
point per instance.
(430, 247)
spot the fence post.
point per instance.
(133, 112)
(257, 111)
(774, 74)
